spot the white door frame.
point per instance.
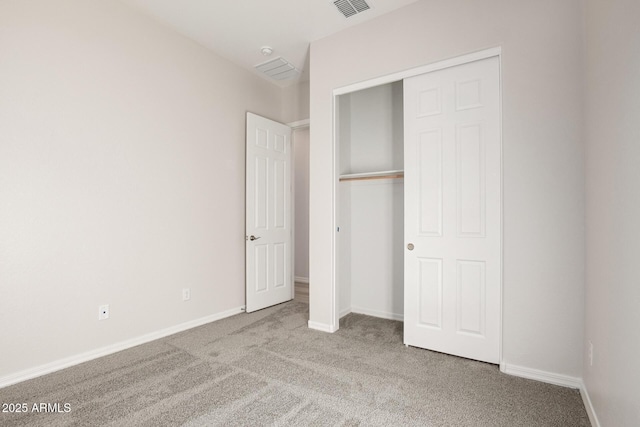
(390, 78)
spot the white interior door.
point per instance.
(269, 272)
(453, 210)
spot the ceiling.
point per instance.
(238, 29)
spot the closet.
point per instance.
(419, 211)
(370, 214)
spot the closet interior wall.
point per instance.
(371, 211)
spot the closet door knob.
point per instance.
(252, 238)
(410, 246)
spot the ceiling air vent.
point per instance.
(278, 69)
(351, 7)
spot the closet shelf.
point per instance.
(395, 174)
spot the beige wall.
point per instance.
(542, 154)
(295, 102)
(613, 208)
(121, 178)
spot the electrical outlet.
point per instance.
(186, 294)
(103, 312)
(590, 353)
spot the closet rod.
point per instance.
(363, 178)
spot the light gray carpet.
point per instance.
(268, 368)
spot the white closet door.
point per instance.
(453, 210)
(269, 268)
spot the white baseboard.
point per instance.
(376, 313)
(544, 376)
(557, 379)
(593, 418)
(322, 327)
(67, 362)
(301, 280)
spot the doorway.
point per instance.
(268, 215)
(300, 140)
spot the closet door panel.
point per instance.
(453, 210)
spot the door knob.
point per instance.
(410, 246)
(252, 237)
